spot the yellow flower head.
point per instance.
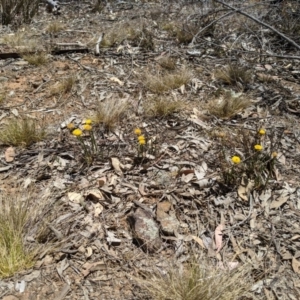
(261, 132)
(274, 154)
(141, 138)
(138, 131)
(258, 147)
(88, 122)
(235, 159)
(142, 142)
(87, 127)
(70, 126)
(77, 132)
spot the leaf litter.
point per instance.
(131, 211)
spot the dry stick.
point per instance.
(261, 23)
(97, 50)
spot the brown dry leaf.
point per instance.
(10, 154)
(219, 237)
(98, 208)
(198, 240)
(296, 265)
(94, 195)
(187, 178)
(116, 165)
(102, 181)
(281, 158)
(75, 197)
(279, 201)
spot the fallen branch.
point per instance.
(261, 23)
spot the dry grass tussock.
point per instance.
(109, 113)
(228, 104)
(64, 87)
(167, 63)
(136, 33)
(163, 106)
(16, 220)
(37, 59)
(233, 75)
(55, 27)
(198, 280)
(22, 42)
(161, 83)
(22, 132)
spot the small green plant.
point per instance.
(233, 75)
(228, 104)
(109, 113)
(197, 280)
(256, 160)
(162, 83)
(86, 138)
(163, 106)
(22, 132)
(15, 255)
(37, 59)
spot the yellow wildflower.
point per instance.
(87, 127)
(88, 122)
(235, 159)
(138, 131)
(70, 126)
(258, 147)
(141, 137)
(142, 142)
(274, 154)
(77, 132)
(262, 132)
